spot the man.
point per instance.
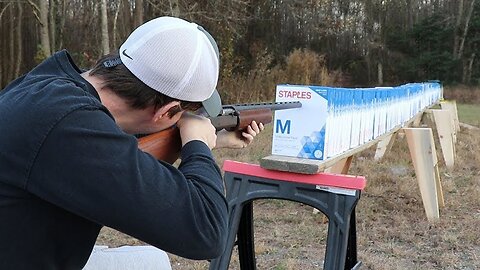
(69, 163)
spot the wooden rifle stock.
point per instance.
(166, 144)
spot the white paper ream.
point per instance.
(300, 132)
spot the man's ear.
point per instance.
(163, 111)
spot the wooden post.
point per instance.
(445, 130)
(384, 146)
(423, 153)
(417, 120)
(341, 167)
(451, 106)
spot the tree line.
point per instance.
(368, 42)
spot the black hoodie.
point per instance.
(66, 170)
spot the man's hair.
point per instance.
(116, 77)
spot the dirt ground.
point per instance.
(392, 228)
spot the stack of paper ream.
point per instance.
(334, 120)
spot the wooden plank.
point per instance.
(384, 146)
(417, 120)
(423, 153)
(451, 106)
(445, 132)
(441, 202)
(469, 127)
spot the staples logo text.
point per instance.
(294, 94)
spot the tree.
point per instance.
(4, 47)
(138, 13)
(45, 48)
(104, 22)
(18, 34)
(371, 42)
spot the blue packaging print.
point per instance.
(356, 118)
(330, 123)
(379, 110)
(345, 119)
(313, 146)
(384, 111)
(370, 115)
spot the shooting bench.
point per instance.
(333, 194)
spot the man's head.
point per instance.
(170, 59)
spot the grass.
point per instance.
(392, 229)
(469, 114)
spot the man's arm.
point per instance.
(89, 167)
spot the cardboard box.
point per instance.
(301, 132)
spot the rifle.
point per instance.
(166, 144)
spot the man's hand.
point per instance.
(195, 127)
(238, 139)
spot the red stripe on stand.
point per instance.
(325, 179)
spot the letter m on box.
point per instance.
(282, 128)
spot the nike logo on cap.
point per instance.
(124, 53)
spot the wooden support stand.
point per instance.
(423, 153)
(446, 135)
(341, 167)
(383, 146)
(451, 106)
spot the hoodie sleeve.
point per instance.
(88, 166)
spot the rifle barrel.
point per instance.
(266, 105)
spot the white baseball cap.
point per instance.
(176, 58)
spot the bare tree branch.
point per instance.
(35, 10)
(3, 10)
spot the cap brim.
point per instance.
(213, 104)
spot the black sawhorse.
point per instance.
(333, 194)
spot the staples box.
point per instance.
(301, 132)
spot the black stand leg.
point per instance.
(351, 260)
(246, 247)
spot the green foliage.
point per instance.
(426, 50)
